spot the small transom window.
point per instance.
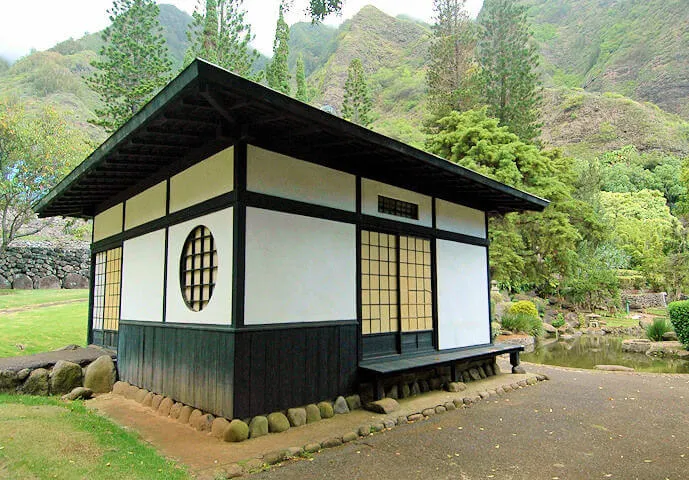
(198, 268)
(399, 208)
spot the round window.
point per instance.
(198, 268)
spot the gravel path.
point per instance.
(579, 425)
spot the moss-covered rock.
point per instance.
(100, 375)
(65, 377)
(326, 409)
(277, 422)
(37, 383)
(237, 431)
(258, 426)
(313, 414)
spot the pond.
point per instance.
(587, 351)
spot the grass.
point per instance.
(45, 328)
(23, 298)
(41, 437)
(660, 312)
(620, 321)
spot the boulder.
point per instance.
(8, 381)
(22, 282)
(341, 406)
(326, 410)
(415, 389)
(385, 405)
(184, 414)
(100, 375)
(141, 395)
(296, 416)
(79, 393)
(165, 406)
(176, 410)
(4, 283)
(23, 374)
(120, 388)
(148, 399)
(669, 336)
(481, 371)
(219, 426)
(37, 383)
(258, 426)
(636, 345)
(456, 387)
(668, 350)
(474, 374)
(51, 282)
(488, 368)
(194, 417)
(313, 414)
(155, 402)
(75, 281)
(353, 402)
(549, 330)
(65, 377)
(277, 422)
(237, 431)
(202, 422)
(349, 437)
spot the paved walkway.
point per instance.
(579, 425)
(79, 355)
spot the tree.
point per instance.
(319, 9)
(302, 92)
(133, 63)
(220, 35)
(356, 105)
(37, 148)
(508, 60)
(452, 70)
(277, 71)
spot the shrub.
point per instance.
(655, 330)
(522, 322)
(679, 316)
(559, 321)
(524, 306)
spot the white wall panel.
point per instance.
(370, 190)
(203, 181)
(143, 260)
(463, 318)
(460, 219)
(298, 269)
(275, 174)
(108, 223)
(219, 308)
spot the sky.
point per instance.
(40, 24)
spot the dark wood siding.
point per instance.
(285, 366)
(192, 365)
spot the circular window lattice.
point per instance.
(198, 268)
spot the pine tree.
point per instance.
(220, 35)
(133, 63)
(319, 9)
(356, 105)
(508, 60)
(452, 71)
(302, 93)
(277, 72)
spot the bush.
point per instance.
(524, 306)
(559, 321)
(679, 316)
(523, 322)
(655, 330)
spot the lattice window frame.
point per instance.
(107, 290)
(198, 268)
(398, 208)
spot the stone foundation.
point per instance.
(43, 267)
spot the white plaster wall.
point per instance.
(146, 206)
(463, 311)
(298, 269)
(107, 223)
(203, 181)
(219, 308)
(460, 219)
(143, 261)
(370, 190)
(275, 174)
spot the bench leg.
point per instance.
(514, 360)
(380, 390)
(456, 374)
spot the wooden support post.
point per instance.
(380, 390)
(514, 360)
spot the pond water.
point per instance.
(587, 351)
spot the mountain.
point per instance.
(638, 48)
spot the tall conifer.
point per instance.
(277, 71)
(509, 59)
(133, 63)
(302, 93)
(220, 35)
(356, 105)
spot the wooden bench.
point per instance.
(379, 368)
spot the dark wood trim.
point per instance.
(490, 310)
(212, 205)
(239, 235)
(285, 205)
(167, 249)
(92, 281)
(359, 315)
(255, 328)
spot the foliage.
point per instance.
(559, 321)
(593, 282)
(679, 316)
(319, 9)
(656, 330)
(220, 35)
(452, 68)
(133, 63)
(522, 322)
(508, 60)
(36, 149)
(302, 92)
(356, 104)
(525, 307)
(277, 72)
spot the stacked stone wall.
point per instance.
(44, 267)
(639, 301)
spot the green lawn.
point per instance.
(22, 298)
(660, 312)
(42, 329)
(44, 438)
